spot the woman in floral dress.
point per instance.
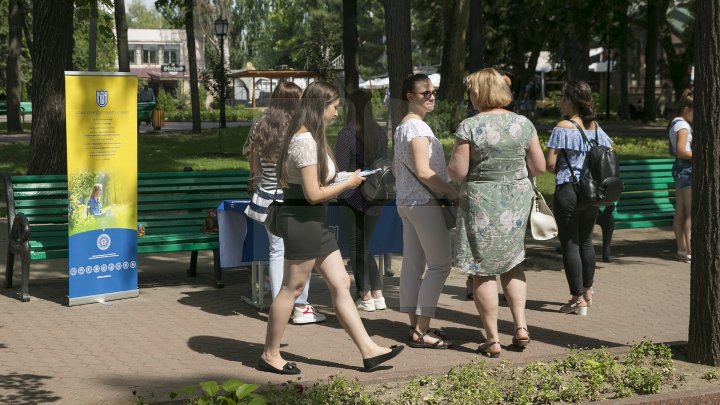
(494, 152)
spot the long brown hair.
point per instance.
(270, 129)
(685, 101)
(359, 119)
(316, 97)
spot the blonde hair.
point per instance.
(488, 89)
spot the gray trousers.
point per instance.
(427, 258)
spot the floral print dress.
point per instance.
(496, 194)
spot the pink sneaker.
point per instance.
(306, 315)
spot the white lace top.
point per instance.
(303, 152)
(409, 190)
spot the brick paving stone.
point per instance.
(181, 331)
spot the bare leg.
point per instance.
(331, 268)
(679, 219)
(515, 289)
(294, 278)
(687, 223)
(485, 295)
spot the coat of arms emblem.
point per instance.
(101, 97)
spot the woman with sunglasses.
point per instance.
(307, 172)
(419, 157)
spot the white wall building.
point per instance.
(160, 57)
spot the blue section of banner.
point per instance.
(102, 261)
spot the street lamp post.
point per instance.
(221, 28)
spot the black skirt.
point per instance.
(305, 234)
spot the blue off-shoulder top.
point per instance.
(576, 148)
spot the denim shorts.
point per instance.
(682, 173)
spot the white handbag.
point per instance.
(542, 221)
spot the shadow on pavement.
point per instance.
(248, 353)
(25, 389)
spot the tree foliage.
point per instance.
(139, 16)
(106, 45)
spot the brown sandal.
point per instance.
(483, 349)
(421, 344)
(521, 343)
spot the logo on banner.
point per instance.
(101, 97)
(103, 242)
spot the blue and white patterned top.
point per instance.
(576, 148)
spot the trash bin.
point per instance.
(158, 119)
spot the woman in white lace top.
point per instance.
(306, 172)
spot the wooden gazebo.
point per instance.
(250, 71)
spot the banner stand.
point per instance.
(101, 126)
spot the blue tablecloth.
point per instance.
(243, 241)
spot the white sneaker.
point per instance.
(306, 315)
(379, 303)
(367, 306)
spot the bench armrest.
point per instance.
(19, 231)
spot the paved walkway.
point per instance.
(181, 331)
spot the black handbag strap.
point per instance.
(585, 139)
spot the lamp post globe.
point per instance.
(221, 29)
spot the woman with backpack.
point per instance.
(419, 166)
(309, 178)
(566, 152)
(358, 145)
(262, 150)
(680, 146)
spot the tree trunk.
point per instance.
(92, 37)
(455, 19)
(399, 56)
(192, 59)
(14, 87)
(651, 46)
(624, 109)
(704, 330)
(51, 56)
(577, 58)
(475, 32)
(350, 46)
(122, 36)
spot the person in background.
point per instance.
(566, 151)
(307, 172)
(493, 155)
(358, 144)
(680, 146)
(147, 94)
(532, 93)
(262, 149)
(419, 157)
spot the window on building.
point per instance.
(131, 54)
(149, 54)
(171, 55)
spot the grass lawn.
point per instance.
(173, 151)
(26, 126)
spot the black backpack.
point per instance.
(599, 183)
(379, 188)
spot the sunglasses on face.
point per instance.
(427, 94)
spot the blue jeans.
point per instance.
(277, 262)
(682, 173)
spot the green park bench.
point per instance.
(647, 201)
(25, 108)
(173, 207)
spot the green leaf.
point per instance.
(245, 389)
(228, 401)
(203, 401)
(173, 395)
(187, 390)
(257, 399)
(210, 387)
(231, 385)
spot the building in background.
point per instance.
(160, 57)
